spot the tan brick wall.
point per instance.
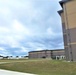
(70, 11)
(46, 53)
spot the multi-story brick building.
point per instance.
(53, 54)
(68, 16)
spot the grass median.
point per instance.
(40, 66)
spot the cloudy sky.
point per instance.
(29, 25)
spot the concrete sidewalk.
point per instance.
(6, 72)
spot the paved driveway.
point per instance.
(6, 72)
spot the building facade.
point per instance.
(53, 54)
(68, 16)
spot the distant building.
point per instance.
(1, 57)
(68, 16)
(14, 57)
(53, 54)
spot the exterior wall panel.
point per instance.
(74, 51)
(72, 20)
(46, 54)
(71, 13)
(66, 53)
(71, 7)
(69, 10)
(73, 35)
(65, 40)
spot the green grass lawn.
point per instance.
(41, 66)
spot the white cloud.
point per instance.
(13, 34)
(22, 50)
(1, 49)
(4, 52)
(4, 29)
(19, 28)
(39, 49)
(50, 32)
(24, 20)
(4, 11)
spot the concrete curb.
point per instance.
(6, 72)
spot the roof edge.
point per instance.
(59, 12)
(47, 50)
(63, 1)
